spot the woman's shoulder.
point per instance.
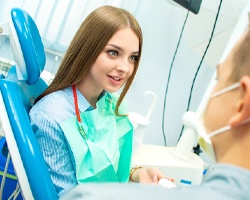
(54, 100)
(54, 105)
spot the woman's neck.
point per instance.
(90, 94)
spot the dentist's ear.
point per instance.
(243, 107)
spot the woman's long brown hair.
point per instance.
(90, 39)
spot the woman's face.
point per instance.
(115, 64)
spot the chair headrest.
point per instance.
(27, 46)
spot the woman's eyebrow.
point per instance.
(136, 52)
(121, 49)
(115, 46)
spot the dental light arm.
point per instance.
(189, 137)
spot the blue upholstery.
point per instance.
(18, 97)
(30, 42)
(28, 92)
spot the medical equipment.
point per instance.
(166, 183)
(17, 93)
(200, 64)
(192, 5)
(140, 122)
(179, 162)
(169, 77)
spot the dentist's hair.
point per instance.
(90, 39)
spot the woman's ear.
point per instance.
(243, 107)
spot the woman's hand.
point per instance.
(149, 175)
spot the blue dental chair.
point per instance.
(18, 91)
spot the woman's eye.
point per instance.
(133, 58)
(112, 53)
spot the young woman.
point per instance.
(79, 122)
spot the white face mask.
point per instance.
(204, 137)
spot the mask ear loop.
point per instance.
(79, 120)
(227, 89)
(223, 129)
(226, 128)
(231, 87)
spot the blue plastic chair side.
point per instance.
(32, 158)
(30, 92)
(30, 42)
(3, 158)
(27, 91)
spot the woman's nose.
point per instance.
(123, 66)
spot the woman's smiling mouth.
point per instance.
(116, 80)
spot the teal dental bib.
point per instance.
(105, 156)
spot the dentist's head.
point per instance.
(223, 125)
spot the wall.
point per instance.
(161, 24)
